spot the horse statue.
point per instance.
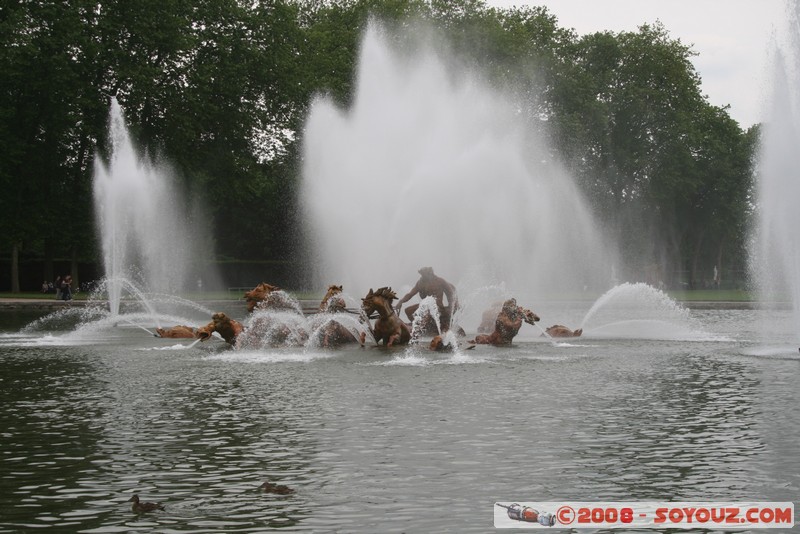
(267, 296)
(226, 327)
(332, 290)
(559, 330)
(179, 331)
(334, 326)
(259, 294)
(507, 324)
(388, 328)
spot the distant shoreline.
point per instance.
(309, 305)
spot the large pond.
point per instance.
(376, 440)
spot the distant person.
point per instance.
(58, 287)
(45, 287)
(431, 285)
(66, 287)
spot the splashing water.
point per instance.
(276, 321)
(142, 221)
(427, 311)
(318, 323)
(433, 166)
(147, 246)
(775, 254)
(474, 303)
(638, 310)
(273, 328)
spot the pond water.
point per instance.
(376, 440)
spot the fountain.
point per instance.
(432, 165)
(427, 312)
(640, 311)
(775, 255)
(406, 431)
(146, 229)
(149, 252)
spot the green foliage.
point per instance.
(220, 88)
(658, 161)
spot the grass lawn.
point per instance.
(713, 295)
(37, 295)
(208, 295)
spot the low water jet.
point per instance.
(640, 311)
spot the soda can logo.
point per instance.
(530, 515)
(517, 512)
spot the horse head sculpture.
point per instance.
(388, 328)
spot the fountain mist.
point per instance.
(143, 223)
(776, 252)
(432, 166)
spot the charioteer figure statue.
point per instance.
(431, 285)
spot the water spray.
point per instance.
(518, 206)
(544, 332)
(139, 326)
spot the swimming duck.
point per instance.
(269, 487)
(141, 507)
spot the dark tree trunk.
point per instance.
(698, 247)
(15, 268)
(49, 269)
(76, 283)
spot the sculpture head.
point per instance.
(335, 305)
(426, 272)
(226, 327)
(258, 294)
(332, 290)
(529, 317)
(379, 300)
(511, 309)
(205, 332)
(438, 344)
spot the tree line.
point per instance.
(220, 88)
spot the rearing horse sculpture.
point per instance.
(259, 294)
(507, 324)
(389, 328)
(333, 290)
(334, 331)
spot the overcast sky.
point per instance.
(733, 38)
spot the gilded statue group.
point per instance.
(378, 315)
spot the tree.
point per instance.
(40, 126)
(220, 88)
(627, 107)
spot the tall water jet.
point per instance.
(432, 166)
(775, 255)
(144, 225)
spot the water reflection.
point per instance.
(367, 446)
(51, 422)
(683, 428)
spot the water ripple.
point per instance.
(370, 444)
